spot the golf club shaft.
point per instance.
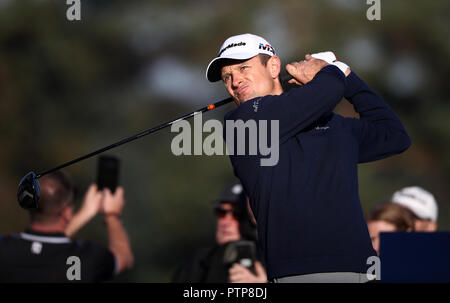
(285, 77)
(139, 135)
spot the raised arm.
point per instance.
(300, 107)
(380, 132)
(118, 241)
(92, 205)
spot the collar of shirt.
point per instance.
(55, 238)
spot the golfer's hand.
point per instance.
(240, 274)
(304, 71)
(92, 203)
(113, 204)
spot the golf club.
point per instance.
(28, 191)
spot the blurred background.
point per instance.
(70, 87)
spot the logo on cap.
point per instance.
(267, 47)
(231, 45)
(237, 189)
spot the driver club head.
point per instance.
(28, 192)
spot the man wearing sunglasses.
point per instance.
(228, 216)
(235, 234)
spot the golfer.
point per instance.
(310, 222)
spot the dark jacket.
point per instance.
(205, 266)
(307, 206)
(212, 264)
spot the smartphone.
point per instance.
(242, 252)
(108, 172)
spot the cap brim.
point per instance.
(213, 71)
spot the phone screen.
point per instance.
(108, 172)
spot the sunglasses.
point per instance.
(221, 213)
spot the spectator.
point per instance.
(234, 227)
(388, 217)
(422, 204)
(44, 253)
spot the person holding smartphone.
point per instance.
(44, 252)
(106, 197)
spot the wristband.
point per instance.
(341, 65)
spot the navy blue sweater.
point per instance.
(307, 206)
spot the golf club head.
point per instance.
(28, 192)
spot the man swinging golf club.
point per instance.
(310, 222)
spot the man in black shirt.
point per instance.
(44, 252)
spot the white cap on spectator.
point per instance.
(418, 200)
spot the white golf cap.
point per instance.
(240, 47)
(418, 200)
